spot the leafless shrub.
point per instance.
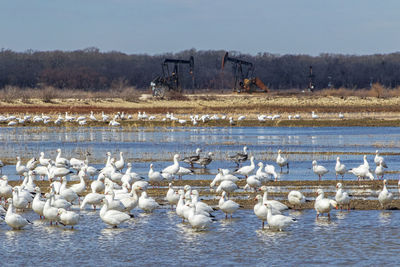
(175, 95)
(130, 94)
(10, 94)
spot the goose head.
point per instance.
(339, 185)
(320, 192)
(260, 164)
(198, 150)
(314, 163)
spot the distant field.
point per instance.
(371, 111)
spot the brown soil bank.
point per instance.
(362, 199)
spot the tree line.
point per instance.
(92, 70)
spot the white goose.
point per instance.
(180, 206)
(247, 170)
(379, 171)
(379, 158)
(5, 188)
(342, 198)
(67, 193)
(319, 169)
(260, 173)
(323, 205)
(227, 206)
(50, 213)
(13, 219)
(227, 186)
(253, 182)
(366, 164)
(296, 198)
(276, 205)
(174, 168)
(80, 188)
(21, 169)
(172, 196)
(19, 201)
(154, 176)
(260, 210)
(37, 203)
(385, 197)
(112, 217)
(120, 164)
(97, 186)
(278, 221)
(60, 161)
(93, 199)
(340, 168)
(43, 161)
(147, 203)
(198, 221)
(132, 200)
(68, 217)
(282, 161)
(200, 206)
(361, 172)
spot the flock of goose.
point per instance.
(118, 193)
(115, 119)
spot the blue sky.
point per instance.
(158, 26)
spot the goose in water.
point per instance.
(43, 161)
(277, 221)
(13, 219)
(282, 161)
(93, 199)
(192, 159)
(379, 171)
(227, 206)
(97, 186)
(227, 186)
(379, 158)
(80, 188)
(361, 172)
(60, 161)
(172, 196)
(270, 170)
(204, 161)
(260, 173)
(155, 177)
(183, 171)
(342, 198)
(147, 203)
(340, 168)
(5, 188)
(198, 221)
(67, 193)
(253, 182)
(260, 210)
(68, 217)
(296, 198)
(276, 205)
(319, 169)
(366, 164)
(239, 158)
(37, 203)
(323, 205)
(132, 200)
(174, 168)
(120, 164)
(50, 213)
(247, 170)
(112, 217)
(21, 169)
(200, 206)
(385, 197)
(19, 201)
(180, 206)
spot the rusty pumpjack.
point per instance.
(243, 73)
(171, 80)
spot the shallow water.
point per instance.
(350, 238)
(158, 145)
(356, 237)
